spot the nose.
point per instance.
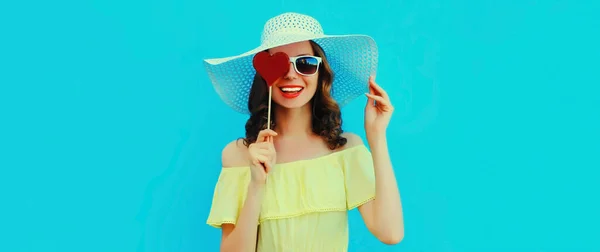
(291, 74)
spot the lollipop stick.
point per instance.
(269, 110)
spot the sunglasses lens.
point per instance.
(307, 65)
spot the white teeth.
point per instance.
(291, 89)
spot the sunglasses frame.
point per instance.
(293, 61)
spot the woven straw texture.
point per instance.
(353, 58)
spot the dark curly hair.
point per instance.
(326, 117)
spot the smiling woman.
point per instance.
(301, 90)
(290, 188)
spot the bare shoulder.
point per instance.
(234, 154)
(353, 140)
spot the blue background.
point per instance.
(111, 132)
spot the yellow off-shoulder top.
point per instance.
(305, 203)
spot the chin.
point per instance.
(291, 104)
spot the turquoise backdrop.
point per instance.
(111, 133)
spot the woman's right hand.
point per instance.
(262, 156)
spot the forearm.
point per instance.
(243, 237)
(387, 210)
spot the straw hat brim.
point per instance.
(352, 58)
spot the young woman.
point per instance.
(289, 188)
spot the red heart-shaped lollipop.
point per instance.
(271, 67)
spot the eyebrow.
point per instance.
(304, 54)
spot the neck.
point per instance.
(296, 122)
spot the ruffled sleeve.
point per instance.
(229, 196)
(359, 176)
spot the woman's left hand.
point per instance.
(378, 111)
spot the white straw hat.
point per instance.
(352, 58)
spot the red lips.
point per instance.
(271, 67)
